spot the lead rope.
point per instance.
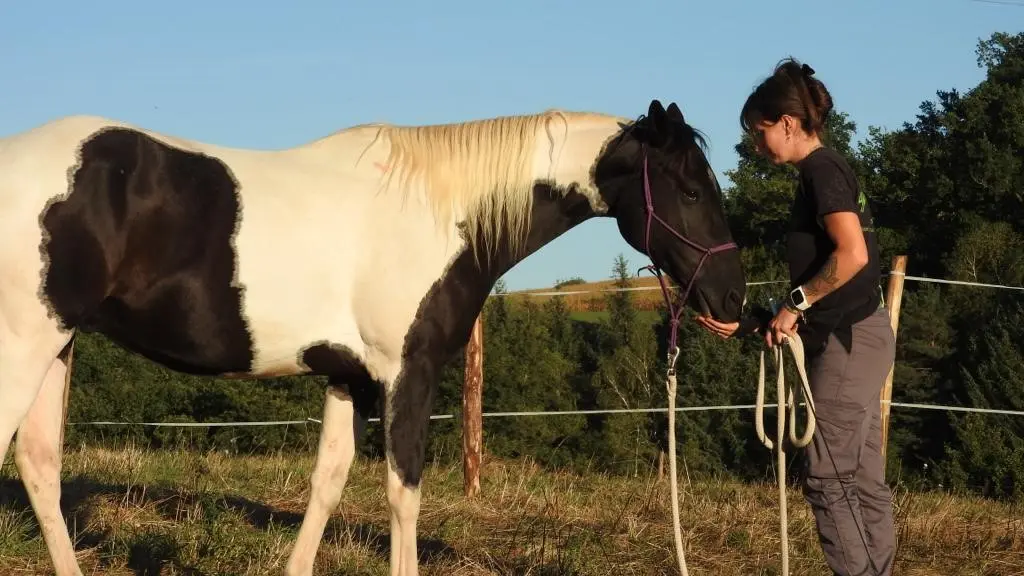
(673, 355)
(797, 349)
(675, 313)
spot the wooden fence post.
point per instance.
(893, 300)
(472, 410)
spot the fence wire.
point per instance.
(908, 405)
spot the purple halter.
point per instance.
(675, 312)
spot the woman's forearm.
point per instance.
(842, 265)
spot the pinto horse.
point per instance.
(364, 256)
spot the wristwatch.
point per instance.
(798, 300)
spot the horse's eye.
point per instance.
(690, 194)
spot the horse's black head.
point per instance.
(685, 195)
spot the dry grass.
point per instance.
(137, 512)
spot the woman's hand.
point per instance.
(722, 329)
(784, 324)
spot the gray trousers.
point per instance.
(844, 482)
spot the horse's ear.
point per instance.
(655, 109)
(659, 123)
(674, 113)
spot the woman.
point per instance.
(835, 306)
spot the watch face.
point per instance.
(798, 297)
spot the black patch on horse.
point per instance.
(444, 320)
(65, 353)
(141, 250)
(345, 372)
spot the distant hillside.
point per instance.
(592, 296)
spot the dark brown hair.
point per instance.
(792, 89)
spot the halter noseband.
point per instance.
(674, 312)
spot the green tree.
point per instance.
(989, 455)
(962, 159)
(524, 370)
(949, 193)
(622, 314)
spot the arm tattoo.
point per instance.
(825, 280)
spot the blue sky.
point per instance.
(258, 74)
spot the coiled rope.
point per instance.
(795, 345)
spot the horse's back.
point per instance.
(35, 164)
(207, 259)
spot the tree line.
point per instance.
(947, 189)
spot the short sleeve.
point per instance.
(830, 189)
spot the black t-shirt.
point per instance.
(828, 184)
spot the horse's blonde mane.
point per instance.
(481, 169)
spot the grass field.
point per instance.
(588, 296)
(138, 512)
(587, 300)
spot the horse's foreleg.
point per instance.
(338, 437)
(409, 402)
(37, 454)
(404, 500)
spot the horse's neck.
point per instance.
(564, 194)
(554, 213)
(565, 150)
(571, 150)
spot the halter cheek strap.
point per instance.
(675, 310)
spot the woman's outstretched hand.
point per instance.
(759, 320)
(721, 329)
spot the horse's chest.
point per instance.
(370, 320)
(355, 282)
